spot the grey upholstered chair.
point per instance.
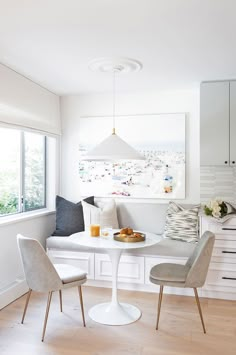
(192, 274)
(43, 276)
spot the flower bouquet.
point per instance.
(219, 209)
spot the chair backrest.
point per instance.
(199, 261)
(39, 271)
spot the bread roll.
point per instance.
(124, 231)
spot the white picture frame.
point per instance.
(159, 137)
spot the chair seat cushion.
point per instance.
(169, 272)
(69, 273)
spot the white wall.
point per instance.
(12, 284)
(23, 103)
(74, 107)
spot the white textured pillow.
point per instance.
(181, 223)
(105, 215)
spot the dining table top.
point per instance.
(84, 239)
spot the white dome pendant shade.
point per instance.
(114, 147)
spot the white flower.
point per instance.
(216, 214)
(213, 204)
(215, 207)
(216, 211)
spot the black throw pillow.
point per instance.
(69, 216)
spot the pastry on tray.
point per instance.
(129, 235)
(124, 232)
(128, 232)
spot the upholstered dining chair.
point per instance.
(192, 274)
(43, 276)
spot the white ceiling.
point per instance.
(179, 42)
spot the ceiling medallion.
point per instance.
(120, 64)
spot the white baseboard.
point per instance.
(13, 291)
(231, 296)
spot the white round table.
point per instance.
(114, 312)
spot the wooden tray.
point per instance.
(128, 238)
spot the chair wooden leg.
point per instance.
(199, 309)
(60, 296)
(81, 304)
(159, 305)
(26, 305)
(46, 314)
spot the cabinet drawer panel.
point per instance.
(223, 258)
(226, 228)
(84, 261)
(223, 266)
(225, 244)
(221, 278)
(131, 268)
(150, 262)
(224, 251)
(222, 231)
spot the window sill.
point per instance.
(16, 218)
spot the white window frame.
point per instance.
(51, 176)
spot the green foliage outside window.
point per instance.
(34, 179)
(29, 180)
(8, 203)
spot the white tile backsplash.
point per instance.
(217, 181)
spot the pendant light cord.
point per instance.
(114, 101)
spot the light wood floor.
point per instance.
(180, 330)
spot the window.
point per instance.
(22, 171)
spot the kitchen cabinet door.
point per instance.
(233, 123)
(214, 123)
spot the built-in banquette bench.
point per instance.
(134, 265)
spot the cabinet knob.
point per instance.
(226, 162)
(233, 162)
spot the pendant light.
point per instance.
(114, 147)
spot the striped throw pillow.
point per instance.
(181, 224)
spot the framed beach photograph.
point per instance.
(159, 137)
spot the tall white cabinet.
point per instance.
(218, 123)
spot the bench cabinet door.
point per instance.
(131, 268)
(84, 261)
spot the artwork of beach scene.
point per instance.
(160, 138)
